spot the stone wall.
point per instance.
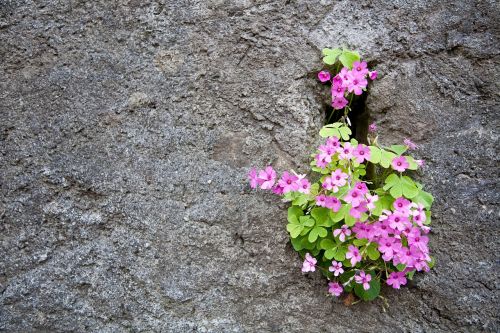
(127, 129)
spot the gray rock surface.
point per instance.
(127, 129)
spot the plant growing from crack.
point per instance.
(363, 220)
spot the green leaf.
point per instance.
(401, 267)
(330, 253)
(338, 216)
(330, 55)
(432, 263)
(345, 132)
(348, 219)
(370, 294)
(327, 244)
(322, 217)
(424, 198)
(297, 243)
(372, 251)
(340, 254)
(412, 165)
(409, 188)
(294, 211)
(360, 242)
(326, 132)
(347, 58)
(398, 149)
(375, 154)
(294, 229)
(386, 158)
(306, 221)
(384, 202)
(315, 232)
(300, 200)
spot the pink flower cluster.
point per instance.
(347, 81)
(266, 180)
(345, 151)
(400, 236)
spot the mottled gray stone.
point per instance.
(127, 129)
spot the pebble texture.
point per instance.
(127, 129)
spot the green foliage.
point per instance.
(370, 294)
(336, 129)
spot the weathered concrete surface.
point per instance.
(127, 128)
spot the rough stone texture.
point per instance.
(127, 128)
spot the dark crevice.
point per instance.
(358, 116)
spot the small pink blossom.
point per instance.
(346, 151)
(370, 201)
(322, 160)
(333, 204)
(309, 264)
(338, 90)
(402, 205)
(361, 187)
(420, 163)
(396, 279)
(343, 74)
(372, 128)
(339, 103)
(410, 144)
(354, 197)
(304, 186)
(266, 178)
(335, 288)
(324, 76)
(356, 83)
(336, 268)
(353, 254)
(359, 68)
(277, 189)
(358, 211)
(252, 175)
(342, 232)
(361, 153)
(373, 75)
(364, 279)
(321, 200)
(288, 182)
(400, 163)
(339, 178)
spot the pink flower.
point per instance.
(327, 149)
(420, 163)
(339, 103)
(396, 279)
(400, 163)
(266, 178)
(419, 241)
(288, 182)
(339, 178)
(410, 144)
(364, 279)
(277, 189)
(357, 211)
(402, 205)
(343, 74)
(354, 197)
(373, 75)
(359, 68)
(304, 186)
(370, 201)
(322, 160)
(252, 175)
(321, 200)
(356, 83)
(361, 153)
(324, 76)
(372, 128)
(361, 187)
(309, 264)
(346, 151)
(398, 221)
(333, 142)
(353, 254)
(336, 268)
(333, 204)
(335, 288)
(389, 246)
(342, 232)
(338, 90)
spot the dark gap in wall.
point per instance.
(358, 116)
